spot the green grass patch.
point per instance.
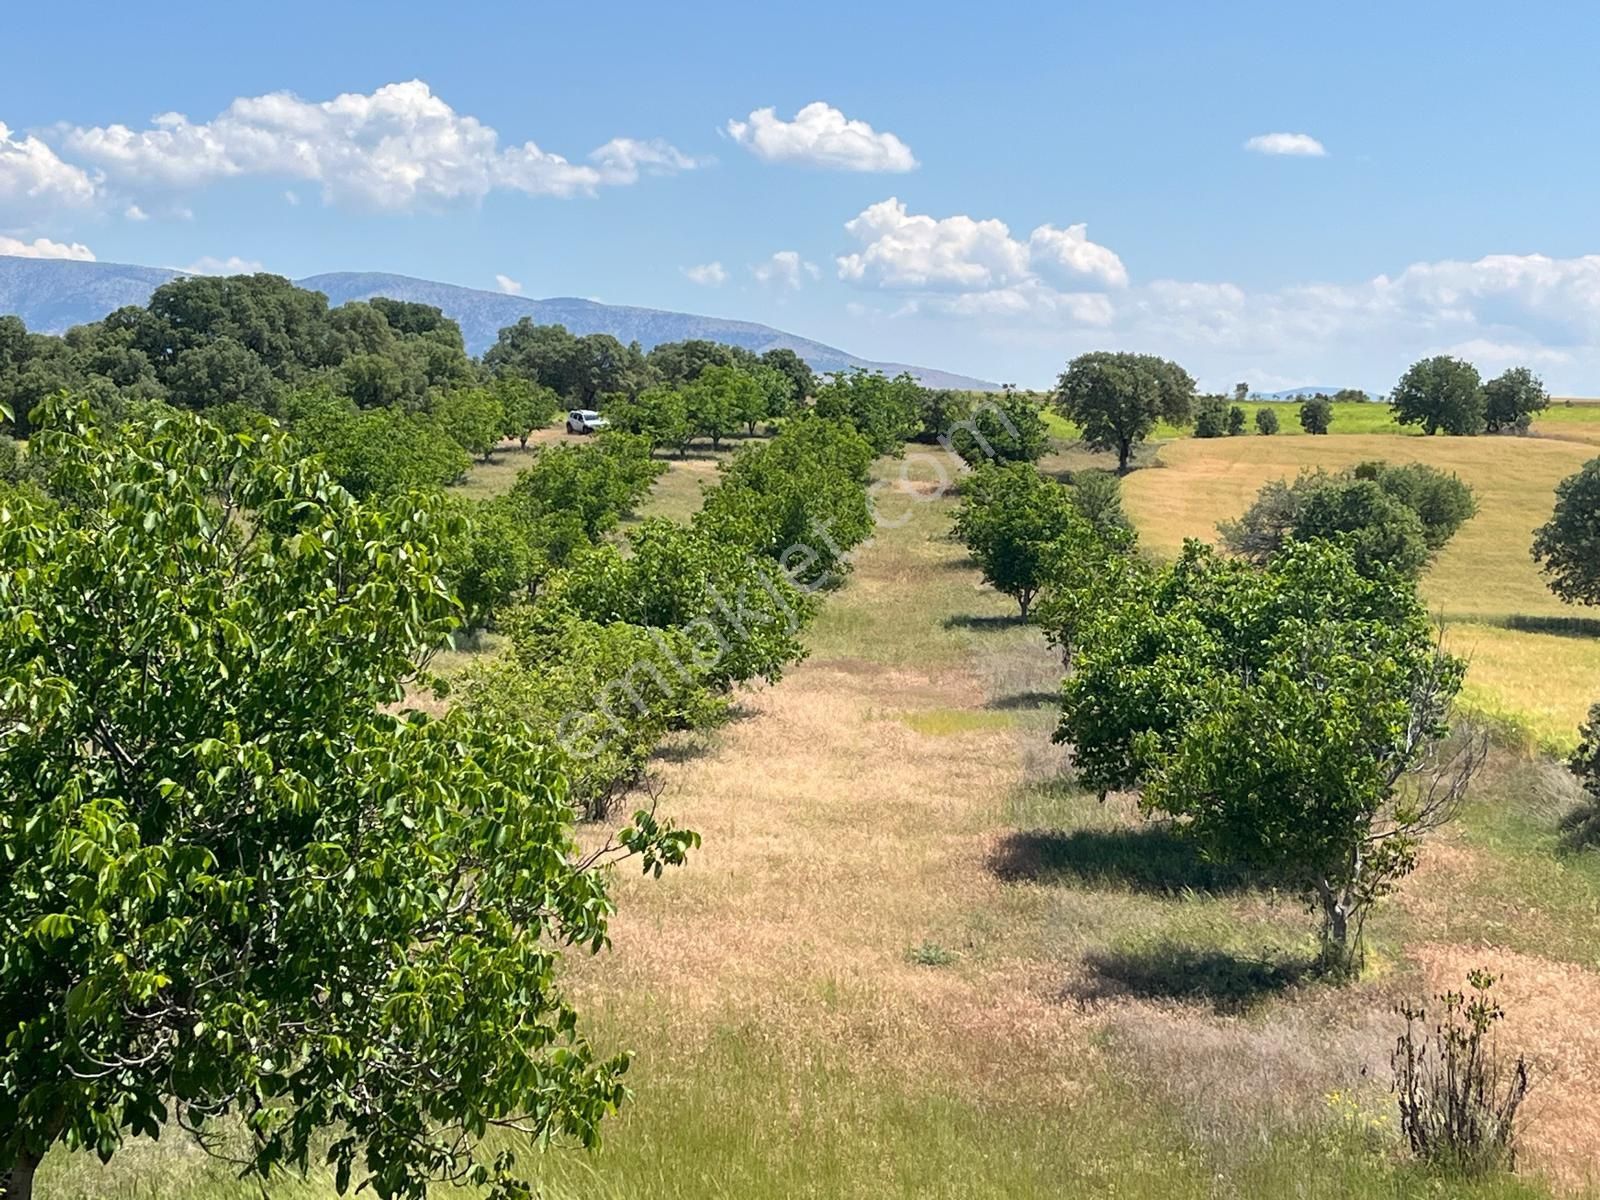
(952, 722)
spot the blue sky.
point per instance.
(988, 190)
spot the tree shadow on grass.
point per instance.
(1153, 859)
(1023, 701)
(974, 621)
(1575, 627)
(1230, 983)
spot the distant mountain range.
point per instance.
(52, 295)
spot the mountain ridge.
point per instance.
(51, 295)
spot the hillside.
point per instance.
(51, 295)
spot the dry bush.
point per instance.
(1458, 1096)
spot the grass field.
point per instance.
(1576, 420)
(911, 962)
(1484, 585)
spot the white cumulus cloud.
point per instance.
(399, 147)
(965, 266)
(45, 248)
(35, 181)
(232, 265)
(787, 270)
(1302, 144)
(508, 285)
(711, 274)
(821, 136)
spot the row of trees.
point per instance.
(617, 649)
(244, 884)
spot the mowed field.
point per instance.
(911, 960)
(1534, 660)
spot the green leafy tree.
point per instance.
(799, 499)
(595, 698)
(717, 400)
(375, 452)
(1241, 392)
(1567, 546)
(1292, 718)
(1009, 428)
(941, 410)
(1009, 517)
(1236, 420)
(678, 363)
(378, 381)
(527, 405)
(1316, 414)
(1351, 396)
(887, 412)
(1087, 568)
(239, 887)
(1211, 417)
(474, 417)
(1266, 422)
(221, 372)
(660, 414)
(1116, 399)
(1511, 399)
(778, 396)
(490, 563)
(1440, 393)
(802, 381)
(742, 616)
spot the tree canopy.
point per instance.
(1116, 398)
(1440, 393)
(1567, 546)
(240, 885)
(1292, 717)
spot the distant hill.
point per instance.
(52, 295)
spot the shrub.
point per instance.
(1097, 495)
(1266, 422)
(1581, 826)
(1458, 1097)
(1393, 518)
(1236, 420)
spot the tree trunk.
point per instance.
(18, 1182)
(1341, 947)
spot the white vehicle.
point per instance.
(585, 420)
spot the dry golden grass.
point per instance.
(1550, 1018)
(1484, 581)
